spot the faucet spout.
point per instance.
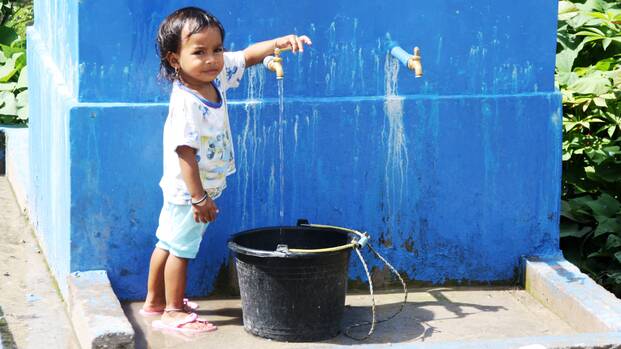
(414, 63)
(274, 63)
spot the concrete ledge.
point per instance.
(572, 295)
(17, 163)
(96, 314)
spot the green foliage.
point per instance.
(588, 73)
(14, 17)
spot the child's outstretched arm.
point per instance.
(256, 52)
(206, 210)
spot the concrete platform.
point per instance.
(560, 307)
(433, 316)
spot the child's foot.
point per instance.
(151, 309)
(179, 320)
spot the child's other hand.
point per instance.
(206, 211)
(295, 42)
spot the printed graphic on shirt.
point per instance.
(205, 111)
(216, 148)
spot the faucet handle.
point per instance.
(417, 52)
(277, 50)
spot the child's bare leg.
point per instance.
(156, 293)
(175, 280)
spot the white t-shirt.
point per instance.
(203, 125)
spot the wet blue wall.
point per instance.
(455, 175)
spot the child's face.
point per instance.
(201, 56)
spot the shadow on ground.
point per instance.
(411, 324)
(414, 323)
(6, 337)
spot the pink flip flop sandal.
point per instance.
(178, 325)
(188, 306)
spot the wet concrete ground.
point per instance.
(431, 316)
(32, 314)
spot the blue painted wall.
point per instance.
(480, 47)
(51, 99)
(455, 175)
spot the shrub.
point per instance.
(588, 73)
(14, 17)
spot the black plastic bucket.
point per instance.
(295, 297)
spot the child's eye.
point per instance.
(219, 49)
(198, 52)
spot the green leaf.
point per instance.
(591, 32)
(565, 60)
(592, 84)
(9, 51)
(609, 171)
(7, 70)
(569, 41)
(21, 99)
(594, 5)
(598, 15)
(604, 206)
(606, 225)
(22, 113)
(582, 18)
(22, 81)
(613, 242)
(598, 254)
(615, 276)
(605, 64)
(20, 60)
(573, 230)
(565, 9)
(618, 256)
(573, 209)
(7, 86)
(611, 130)
(566, 78)
(9, 104)
(7, 35)
(600, 102)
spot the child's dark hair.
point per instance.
(169, 34)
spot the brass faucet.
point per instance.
(275, 63)
(414, 63)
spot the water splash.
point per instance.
(281, 147)
(249, 142)
(397, 156)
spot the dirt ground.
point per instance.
(32, 313)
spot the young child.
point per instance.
(198, 151)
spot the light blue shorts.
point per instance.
(177, 232)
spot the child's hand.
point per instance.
(206, 211)
(295, 42)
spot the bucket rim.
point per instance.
(235, 247)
